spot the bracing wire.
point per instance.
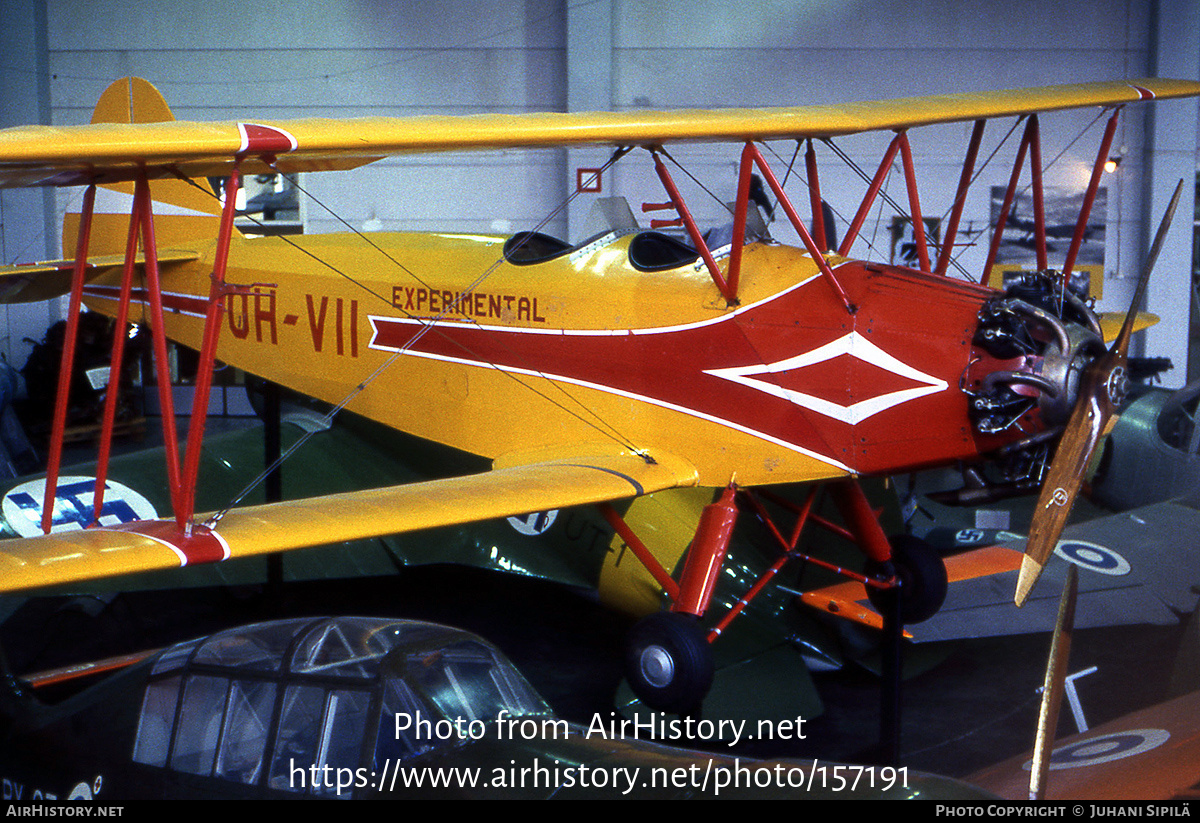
(428, 325)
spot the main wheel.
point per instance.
(922, 579)
(669, 663)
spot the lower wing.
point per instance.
(151, 545)
(1134, 568)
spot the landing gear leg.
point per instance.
(920, 570)
(922, 590)
(669, 663)
(922, 577)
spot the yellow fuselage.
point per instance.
(584, 347)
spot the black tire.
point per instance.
(669, 663)
(922, 576)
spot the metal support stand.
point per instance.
(889, 691)
(273, 485)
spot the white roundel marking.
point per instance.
(1092, 556)
(74, 504)
(535, 523)
(1106, 748)
(80, 791)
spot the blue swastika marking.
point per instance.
(74, 506)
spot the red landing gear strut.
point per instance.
(669, 662)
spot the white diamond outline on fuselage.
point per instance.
(853, 344)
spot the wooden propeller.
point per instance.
(1102, 388)
(1053, 686)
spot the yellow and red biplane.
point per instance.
(631, 363)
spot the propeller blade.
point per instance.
(1122, 342)
(1079, 440)
(1100, 393)
(1053, 686)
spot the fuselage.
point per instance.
(453, 342)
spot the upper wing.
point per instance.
(50, 155)
(151, 545)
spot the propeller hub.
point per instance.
(1117, 386)
(1064, 369)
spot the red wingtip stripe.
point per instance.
(258, 139)
(203, 545)
(1145, 94)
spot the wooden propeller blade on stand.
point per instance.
(1102, 388)
(1053, 686)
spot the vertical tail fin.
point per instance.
(184, 210)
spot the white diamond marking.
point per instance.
(854, 345)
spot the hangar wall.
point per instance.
(343, 58)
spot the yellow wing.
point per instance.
(152, 545)
(50, 155)
(1111, 321)
(45, 281)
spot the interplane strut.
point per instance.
(182, 480)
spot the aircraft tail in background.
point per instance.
(184, 210)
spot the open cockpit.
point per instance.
(649, 249)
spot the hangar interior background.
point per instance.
(345, 58)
